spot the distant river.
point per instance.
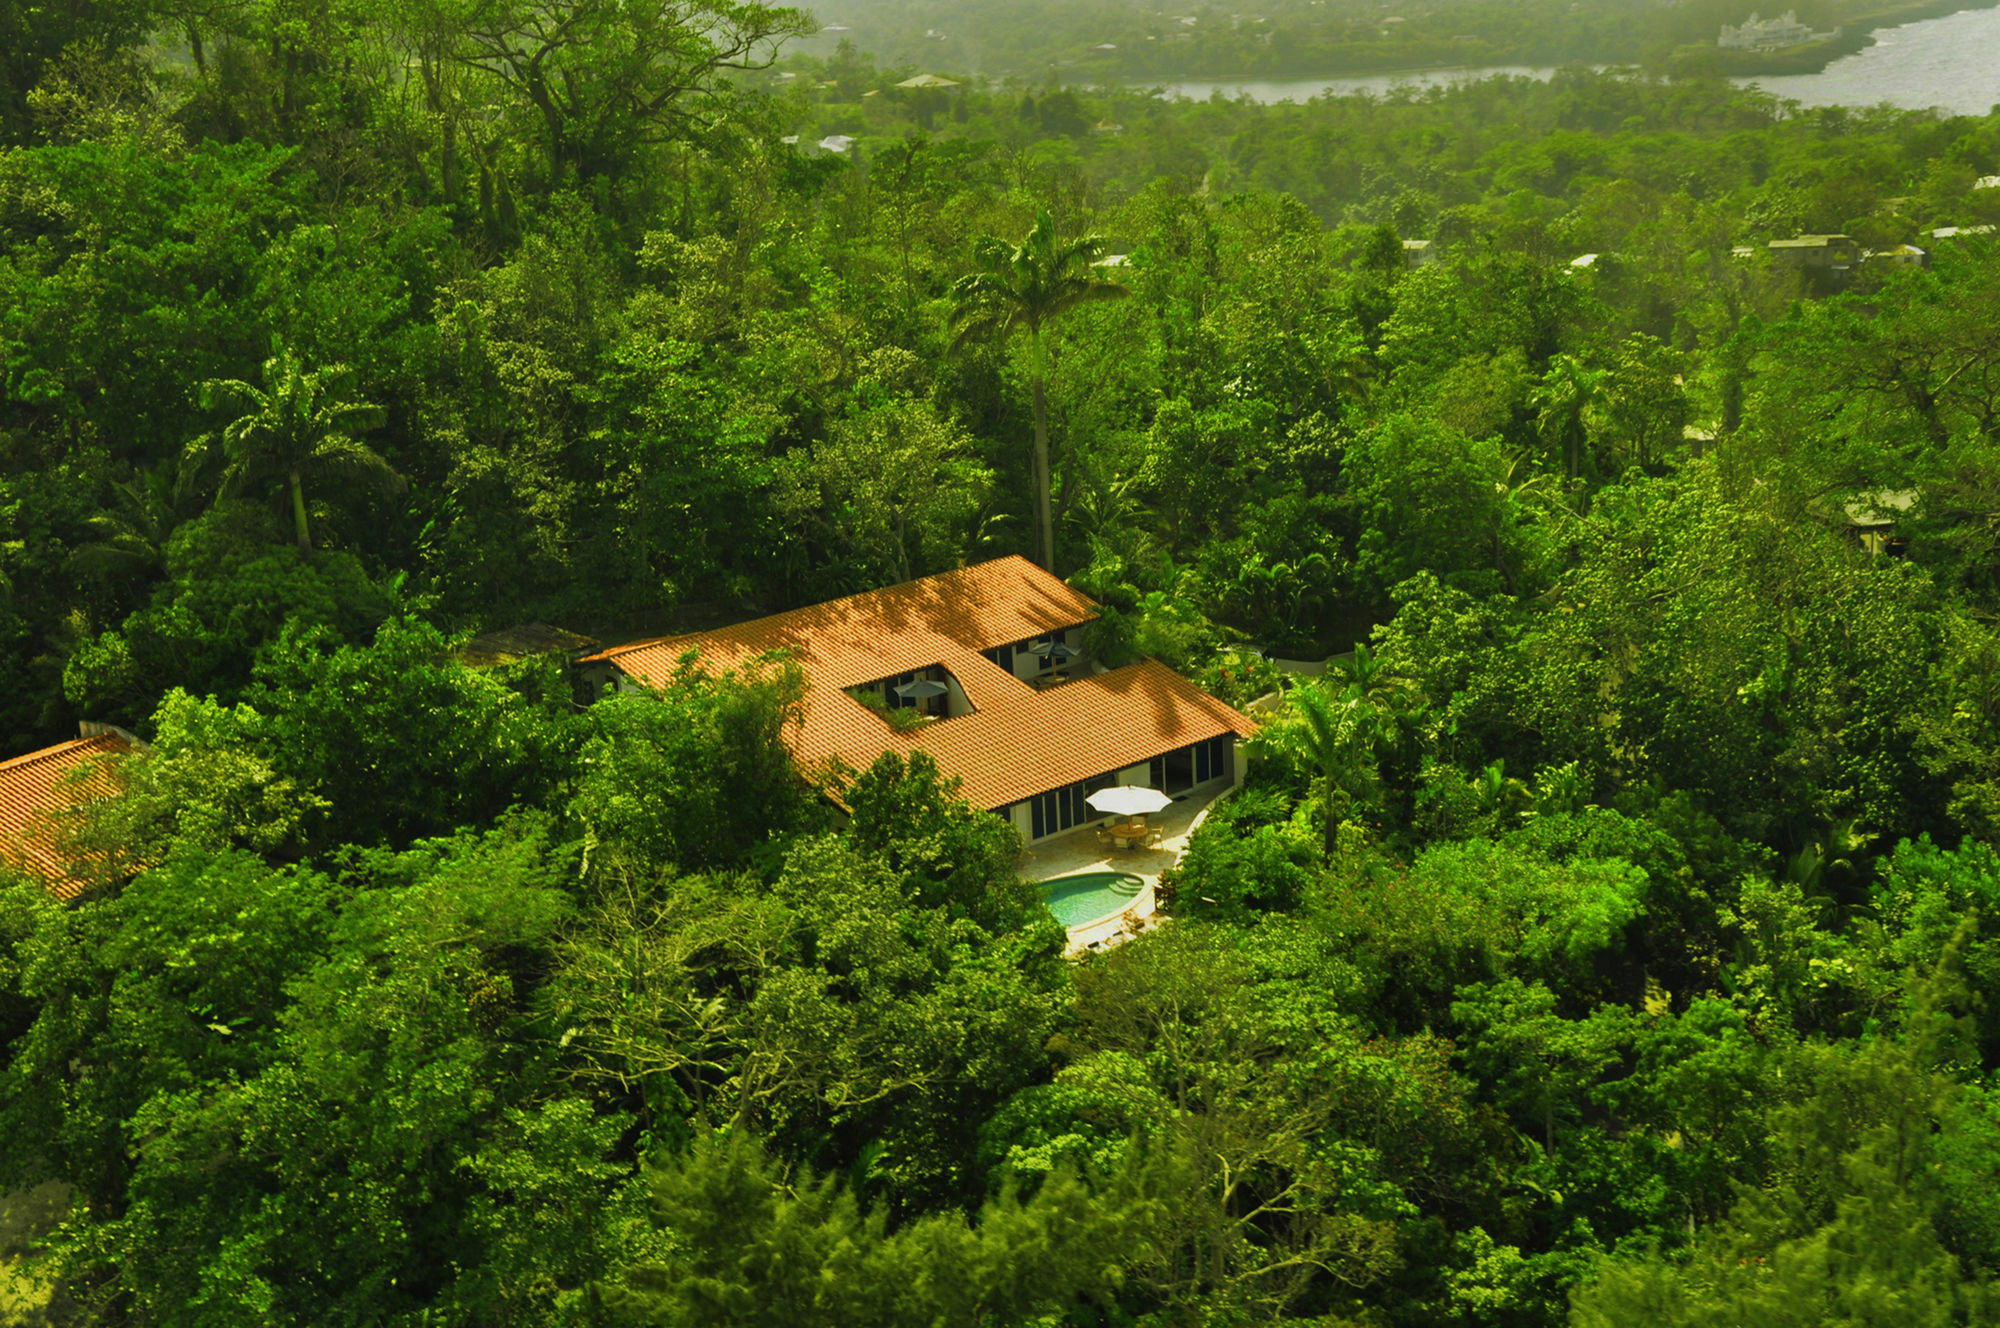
(1952, 62)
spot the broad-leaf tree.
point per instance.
(607, 76)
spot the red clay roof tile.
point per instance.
(35, 790)
(1019, 741)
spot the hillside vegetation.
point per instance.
(1610, 936)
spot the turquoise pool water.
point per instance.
(1088, 896)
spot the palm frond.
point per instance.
(342, 455)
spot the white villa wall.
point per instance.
(1028, 667)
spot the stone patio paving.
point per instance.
(1079, 851)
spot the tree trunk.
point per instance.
(1043, 519)
(448, 169)
(1332, 822)
(299, 516)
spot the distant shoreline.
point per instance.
(1476, 73)
(1691, 60)
(1814, 57)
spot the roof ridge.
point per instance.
(27, 759)
(843, 606)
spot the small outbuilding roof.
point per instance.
(1879, 507)
(928, 81)
(511, 645)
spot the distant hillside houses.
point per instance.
(1769, 34)
(1829, 251)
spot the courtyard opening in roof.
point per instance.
(909, 699)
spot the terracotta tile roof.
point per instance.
(34, 792)
(881, 633)
(1035, 741)
(1019, 741)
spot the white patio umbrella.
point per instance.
(921, 689)
(1129, 800)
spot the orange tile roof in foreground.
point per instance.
(1019, 741)
(34, 790)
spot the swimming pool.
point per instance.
(1088, 897)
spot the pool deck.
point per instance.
(1079, 851)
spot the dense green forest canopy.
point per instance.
(1610, 936)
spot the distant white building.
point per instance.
(1769, 34)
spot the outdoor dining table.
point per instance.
(1127, 834)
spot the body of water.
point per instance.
(1951, 62)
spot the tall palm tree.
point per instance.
(1023, 288)
(1564, 400)
(298, 427)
